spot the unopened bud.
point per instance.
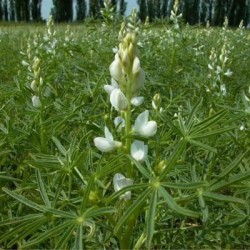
(161, 166)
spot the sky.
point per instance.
(47, 4)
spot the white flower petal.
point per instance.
(103, 144)
(119, 182)
(118, 100)
(141, 120)
(36, 101)
(137, 101)
(136, 65)
(108, 88)
(108, 135)
(139, 151)
(115, 69)
(149, 129)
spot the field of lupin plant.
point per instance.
(124, 136)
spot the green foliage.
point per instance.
(56, 187)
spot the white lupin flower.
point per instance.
(118, 99)
(143, 126)
(139, 150)
(119, 182)
(107, 143)
(137, 101)
(115, 68)
(109, 88)
(36, 101)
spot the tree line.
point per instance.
(193, 11)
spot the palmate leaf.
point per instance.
(174, 206)
(27, 230)
(38, 207)
(19, 230)
(234, 179)
(49, 233)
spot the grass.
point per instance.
(56, 187)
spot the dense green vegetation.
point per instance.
(192, 191)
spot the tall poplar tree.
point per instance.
(122, 7)
(5, 11)
(12, 13)
(142, 10)
(80, 10)
(36, 10)
(62, 11)
(93, 8)
(1, 10)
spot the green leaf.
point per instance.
(150, 223)
(212, 132)
(9, 178)
(232, 165)
(64, 239)
(179, 148)
(186, 186)
(42, 189)
(223, 198)
(132, 209)
(203, 146)
(142, 169)
(59, 146)
(190, 121)
(78, 240)
(236, 178)
(27, 230)
(92, 212)
(38, 207)
(174, 206)
(19, 229)
(207, 123)
(88, 189)
(49, 233)
(19, 220)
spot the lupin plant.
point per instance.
(127, 80)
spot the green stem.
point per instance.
(125, 241)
